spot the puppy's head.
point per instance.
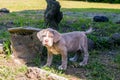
(48, 36)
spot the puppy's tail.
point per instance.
(89, 31)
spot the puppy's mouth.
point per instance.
(47, 45)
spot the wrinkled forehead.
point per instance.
(48, 32)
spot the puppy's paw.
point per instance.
(62, 67)
(83, 63)
(73, 59)
(46, 65)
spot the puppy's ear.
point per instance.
(57, 36)
(39, 35)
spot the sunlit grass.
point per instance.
(18, 5)
(80, 4)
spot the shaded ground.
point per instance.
(103, 61)
(100, 62)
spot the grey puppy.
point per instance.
(57, 43)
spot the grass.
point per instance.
(76, 14)
(9, 73)
(41, 4)
(117, 58)
(7, 49)
(97, 70)
(80, 4)
(8, 70)
(23, 4)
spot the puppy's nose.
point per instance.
(46, 41)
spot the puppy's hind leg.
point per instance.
(76, 56)
(85, 52)
(85, 57)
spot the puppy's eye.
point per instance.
(43, 35)
(51, 36)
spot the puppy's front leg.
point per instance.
(63, 66)
(49, 58)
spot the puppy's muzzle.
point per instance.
(46, 41)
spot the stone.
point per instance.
(118, 22)
(91, 44)
(53, 15)
(1, 40)
(34, 73)
(24, 44)
(83, 26)
(4, 10)
(115, 38)
(100, 19)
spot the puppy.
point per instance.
(57, 43)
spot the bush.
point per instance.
(7, 48)
(105, 1)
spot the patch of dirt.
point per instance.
(77, 73)
(7, 61)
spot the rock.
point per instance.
(1, 48)
(70, 22)
(115, 39)
(34, 73)
(53, 15)
(1, 41)
(25, 44)
(100, 19)
(4, 10)
(91, 44)
(23, 31)
(118, 22)
(83, 26)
